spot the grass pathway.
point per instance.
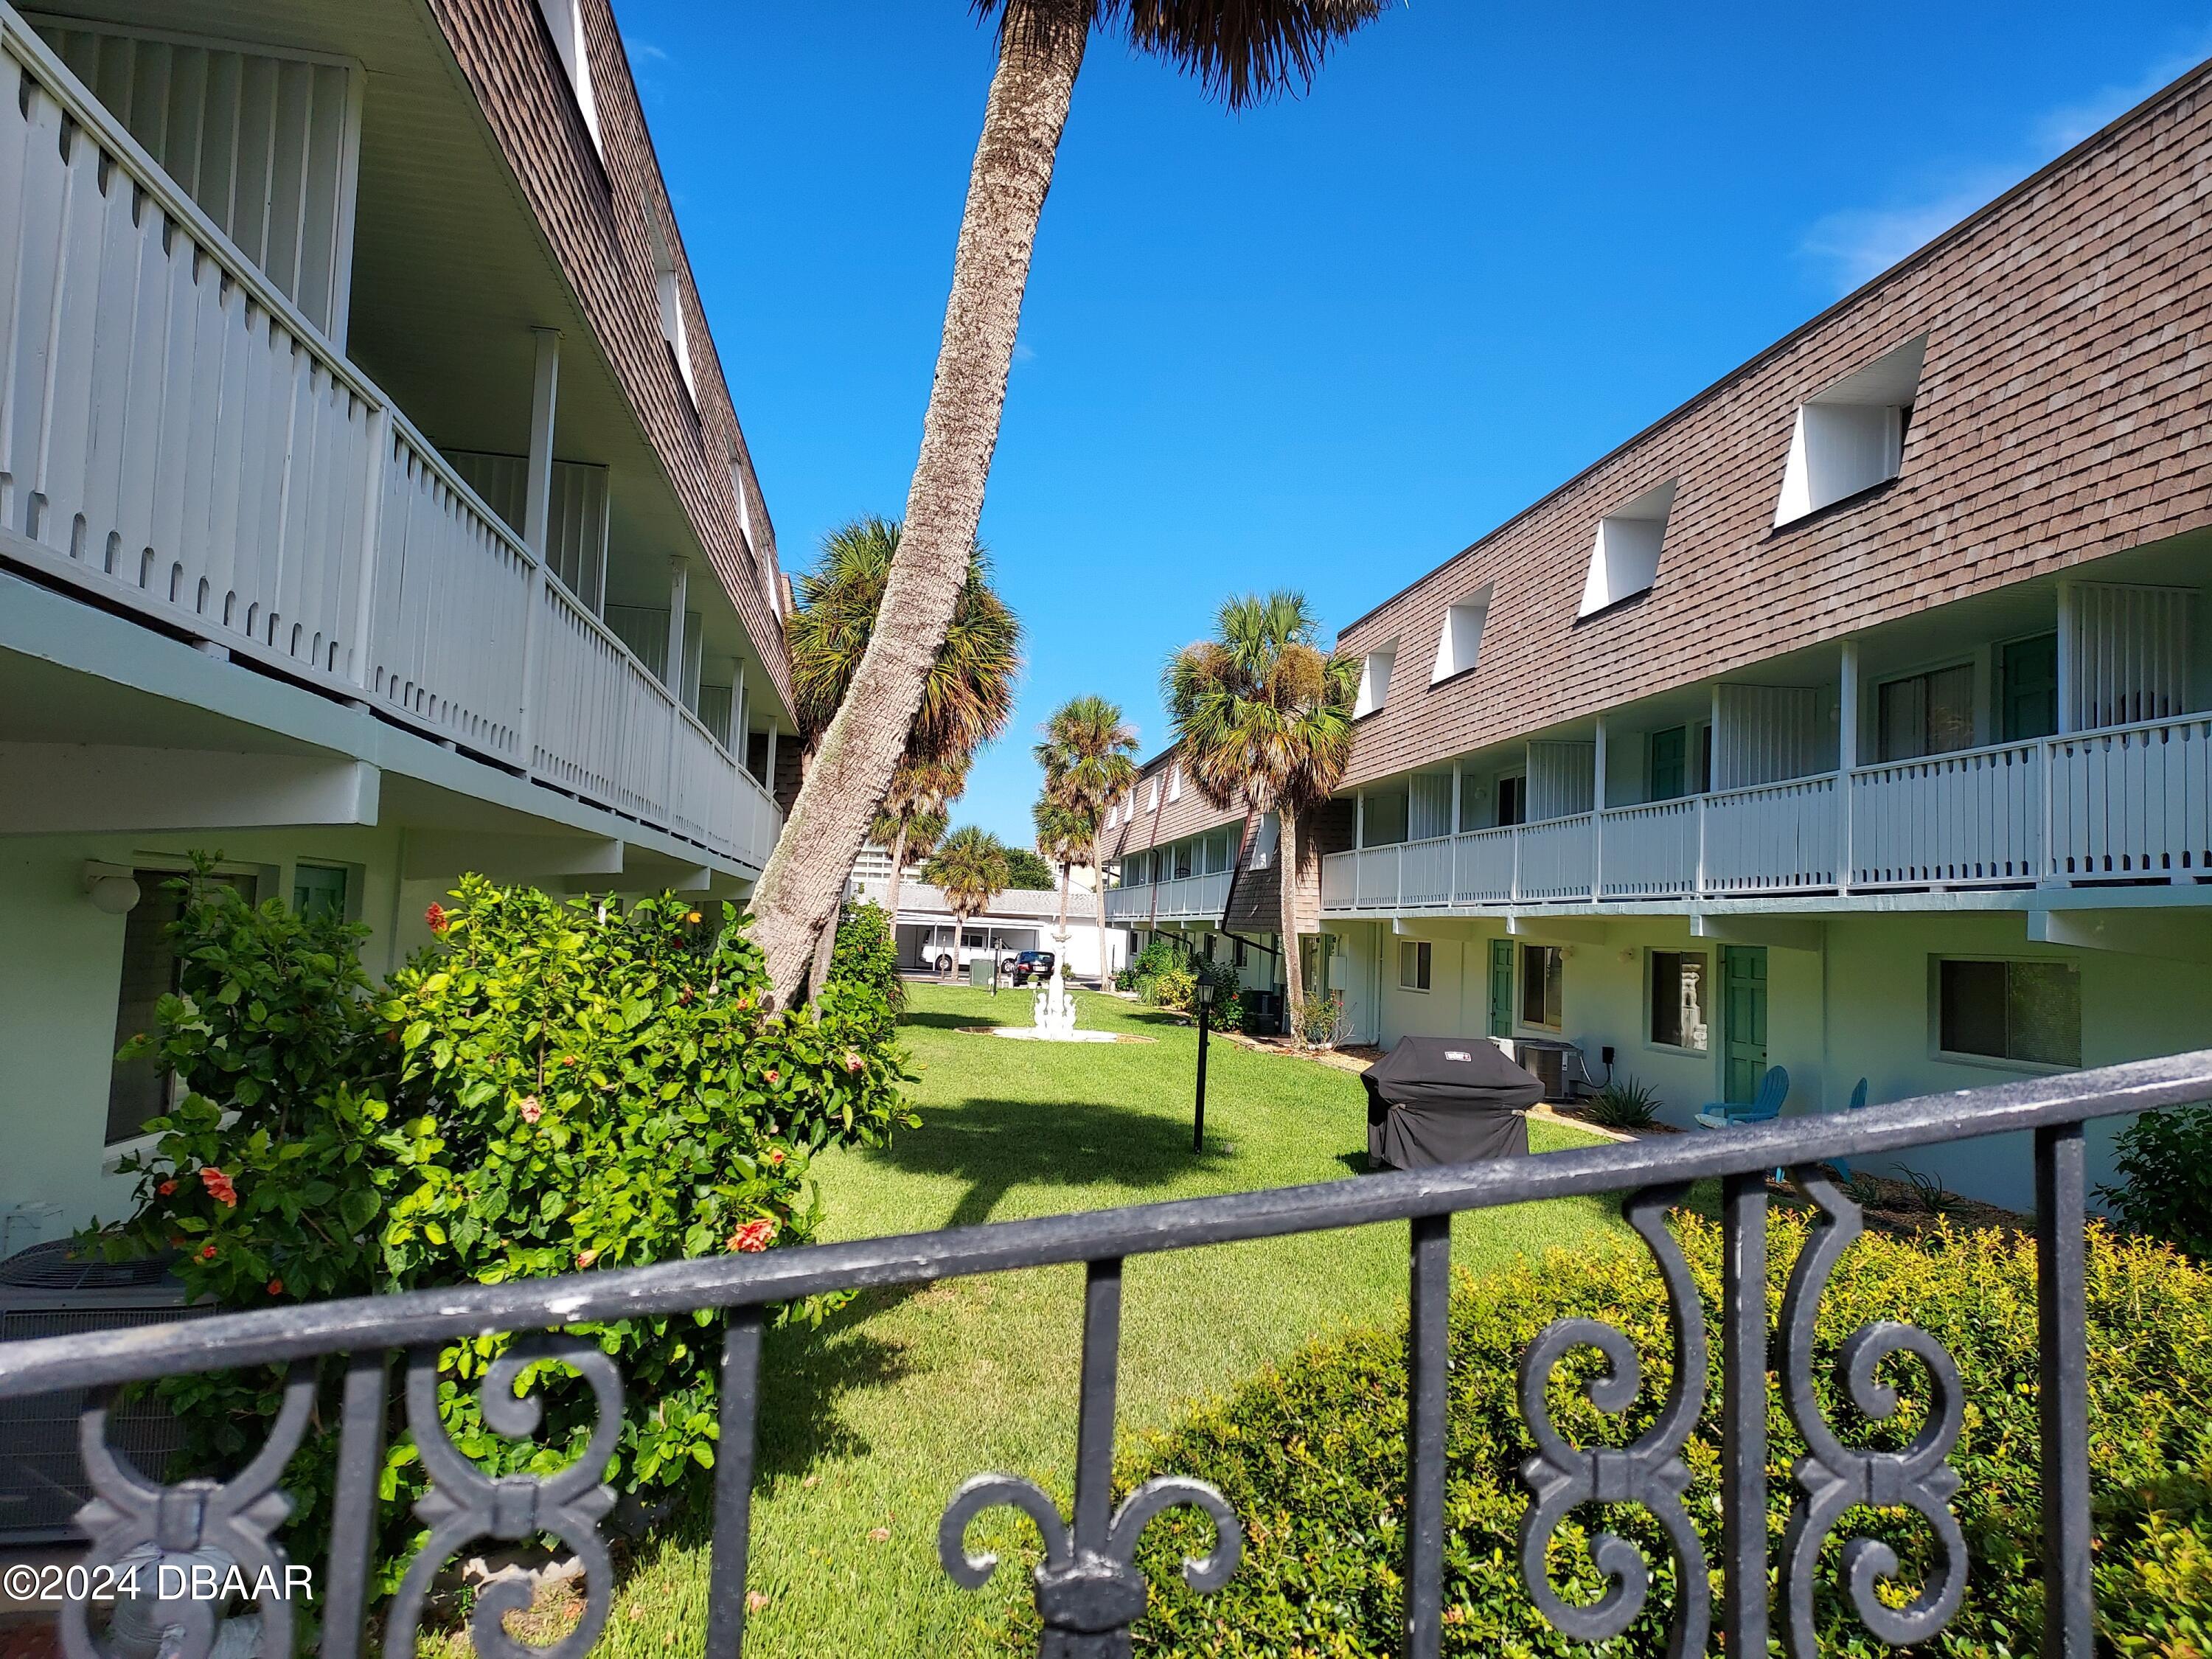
(868, 1425)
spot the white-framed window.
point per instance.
(564, 20)
(1543, 987)
(1414, 964)
(1680, 1000)
(138, 1090)
(1460, 639)
(1375, 673)
(668, 290)
(1851, 436)
(1624, 559)
(322, 891)
(2015, 1012)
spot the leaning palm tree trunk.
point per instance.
(1294, 990)
(898, 871)
(1040, 51)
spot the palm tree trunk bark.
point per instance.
(1040, 51)
(898, 875)
(1105, 957)
(1294, 990)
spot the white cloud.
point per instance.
(645, 50)
(1858, 244)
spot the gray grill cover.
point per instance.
(1447, 1100)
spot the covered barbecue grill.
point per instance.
(1447, 1100)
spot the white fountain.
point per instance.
(1053, 1016)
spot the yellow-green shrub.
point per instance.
(1312, 1456)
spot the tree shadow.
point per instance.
(806, 1371)
(997, 1145)
(947, 1020)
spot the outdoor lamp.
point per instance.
(111, 887)
(1205, 994)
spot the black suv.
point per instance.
(1032, 964)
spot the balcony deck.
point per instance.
(180, 443)
(2123, 805)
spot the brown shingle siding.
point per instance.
(2059, 418)
(594, 214)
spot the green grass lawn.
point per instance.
(868, 1425)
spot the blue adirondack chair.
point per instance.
(1773, 1090)
(1858, 1099)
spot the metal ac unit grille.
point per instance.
(45, 1293)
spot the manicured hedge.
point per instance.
(1312, 1456)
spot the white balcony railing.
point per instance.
(1186, 898)
(2130, 802)
(180, 441)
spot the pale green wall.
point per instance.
(1874, 1019)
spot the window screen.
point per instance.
(138, 1090)
(319, 891)
(1678, 1019)
(1414, 964)
(2022, 1010)
(1927, 714)
(1543, 986)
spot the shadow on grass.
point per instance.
(806, 1371)
(997, 1146)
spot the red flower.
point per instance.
(276, 1287)
(753, 1236)
(776, 1157)
(166, 1188)
(207, 1253)
(853, 1061)
(531, 1110)
(438, 918)
(772, 1075)
(219, 1186)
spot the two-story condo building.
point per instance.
(1851, 719)
(372, 506)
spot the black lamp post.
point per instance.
(1205, 994)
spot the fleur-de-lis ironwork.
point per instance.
(1650, 1472)
(1834, 1478)
(1087, 1594)
(234, 1518)
(464, 1503)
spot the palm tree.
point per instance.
(1263, 718)
(1088, 755)
(970, 868)
(911, 818)
(968, 695)
(1065, 835)
(1241, 52)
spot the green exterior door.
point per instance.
(2028, 676)
(1501, 987)
(1743, 1014)
(1670, 763)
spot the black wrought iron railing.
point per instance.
(1088, 1589)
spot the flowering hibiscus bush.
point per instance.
(554, 1085)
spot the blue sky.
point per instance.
(1327, 343)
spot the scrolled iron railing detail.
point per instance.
(219, 1524)
(1650, 1472)
(464, 1504)
(1088, 1598)
(1834, 1478)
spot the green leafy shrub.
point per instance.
(1323, 1022)
(1623, 1103)
(864, 988)
(1158, 957)
(554, 1086)
(1312, 1456)
(1174, 988)
(2166, 1160)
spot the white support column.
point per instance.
(768, 782)
(2068, 669)
(1458, 795)
(1358, 827)
(537, 516)
(1713, 743)
(679, 592)
(738, 713)
(1597, 812)
(1847, 757)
